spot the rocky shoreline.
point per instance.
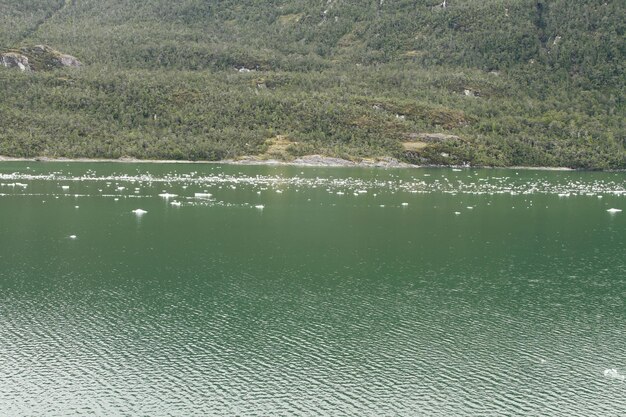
(304, 161)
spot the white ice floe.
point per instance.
(167, 195)
(614, 374)
(614, 210)
(139, 212)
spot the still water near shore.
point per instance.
(245, 290)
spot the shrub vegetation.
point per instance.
(509, 82)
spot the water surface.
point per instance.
(298, 291)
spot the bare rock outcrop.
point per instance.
(37, 58)
(15, 60)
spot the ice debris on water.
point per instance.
(507, 184)
(139, 212)
(614, 374)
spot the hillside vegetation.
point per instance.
(484, 82)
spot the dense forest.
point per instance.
(480, 82)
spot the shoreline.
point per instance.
(311, 161)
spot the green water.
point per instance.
(349, 292)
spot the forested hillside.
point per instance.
(485, 82)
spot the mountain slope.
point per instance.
(505, 82)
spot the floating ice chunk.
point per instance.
(168, 195)
(202, 195)
(72, 236)
(139, 212)
(259, 206)
(614, 374)
(614, 210)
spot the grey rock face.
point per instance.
(69, 61)
(15, 60)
